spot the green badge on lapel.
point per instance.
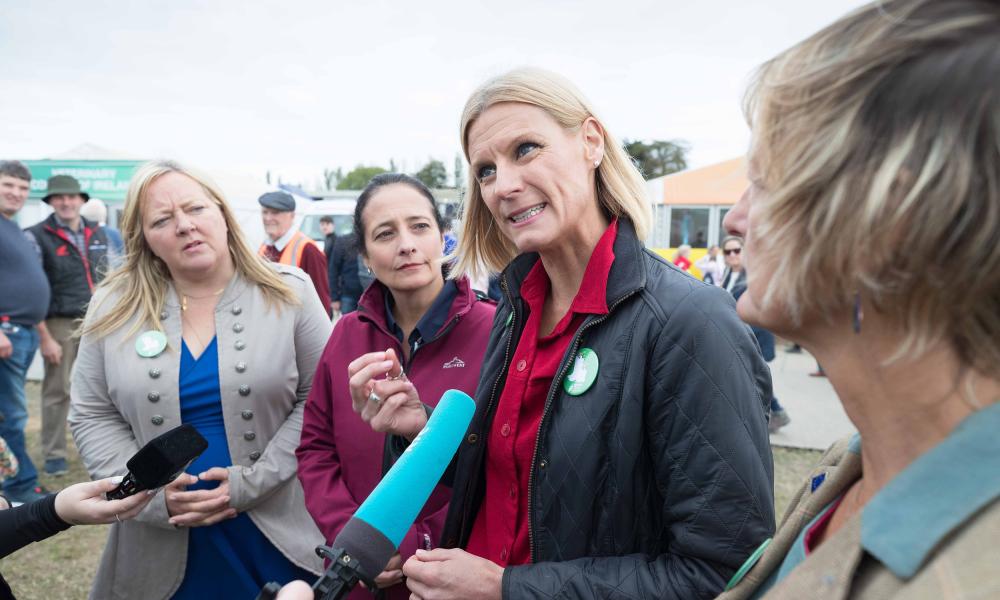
(583, 374)
(150, 343)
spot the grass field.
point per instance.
(62, 567)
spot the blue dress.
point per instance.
(231, 559)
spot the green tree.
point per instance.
(359, 177)
(656, 158)
(332, 177)
(433, 174)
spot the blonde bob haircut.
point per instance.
(620, 189)
(876, 145)
(141, 282)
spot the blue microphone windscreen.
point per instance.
(395, 503)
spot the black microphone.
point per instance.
(160, 461)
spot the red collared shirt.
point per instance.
(500, 532)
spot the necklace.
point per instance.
(184, 298)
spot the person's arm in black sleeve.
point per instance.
(705, 417)
(33, 522)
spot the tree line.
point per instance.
(654, 158)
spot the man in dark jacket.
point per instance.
(345, 284)
(75, 258)
(24, 301)
(329, 236)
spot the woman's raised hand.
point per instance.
(383, 396)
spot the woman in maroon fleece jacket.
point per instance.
(438, 327)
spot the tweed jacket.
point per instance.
(121, 400)
(931, 533)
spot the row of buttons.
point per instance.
(244, 389)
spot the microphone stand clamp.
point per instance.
(336, 583)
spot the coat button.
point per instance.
(505, 430)
(238, 327)
(241, 367)
(249, 436)
(239, 345)
(522, 364)
(247, 414)
(156, 420)
(153, 396)
(154, 373)
(164, 315)
(244, 390)
(236, 310)
(542, 464)
(473, 438)
(255, 455)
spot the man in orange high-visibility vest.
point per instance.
(290, 246)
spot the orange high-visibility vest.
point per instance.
(292, 254)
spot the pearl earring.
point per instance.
(597, 163)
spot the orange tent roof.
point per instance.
(721, 183)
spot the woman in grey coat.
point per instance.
(194, 328)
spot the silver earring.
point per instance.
(597, 163)
(369, 270)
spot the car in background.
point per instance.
(341, 210)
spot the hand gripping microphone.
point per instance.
(364, 546)
(160, 461)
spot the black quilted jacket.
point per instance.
(657, 481)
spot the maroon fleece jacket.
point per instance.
(340, 457)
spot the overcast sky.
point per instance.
(296, 86)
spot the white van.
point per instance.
(341, 210)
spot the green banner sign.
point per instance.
(104, 179)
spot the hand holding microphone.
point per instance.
(369, 542)
(390, 404)
(86, 504)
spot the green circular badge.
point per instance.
(583, 374)
(150, 343)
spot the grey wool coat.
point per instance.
(121, 400)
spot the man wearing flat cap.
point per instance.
(75, 258)
(289, 246)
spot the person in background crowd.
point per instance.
(450, 239)
(682, 257)
(712, 266)
(329, 236)
(78, 504)
(871, 223)
(329, 239)
(735, 282)
(289, 246)
(345, 270)
(24, 303)
(413, 327)
(75, 257)
(195, 328)
(95, 210)
(602, 370)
